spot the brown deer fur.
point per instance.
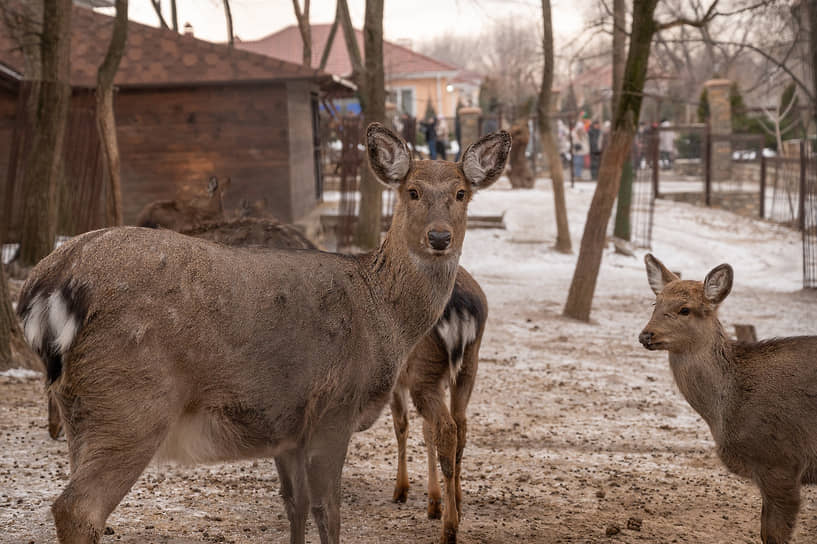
(163, 345)
(447, 357)
(186, 214)
(759, 399)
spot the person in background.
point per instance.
(581, 147)
(666, 145)
(594, 138)
(442, 138)
(430, 129)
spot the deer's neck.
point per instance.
(705, 378)
(414, 289)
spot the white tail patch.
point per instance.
(62, 323)
(459, 330)
(33, 323)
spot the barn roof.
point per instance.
(156, 57)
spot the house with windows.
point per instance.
(413, 80)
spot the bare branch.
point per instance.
(701, 22)
(157, 7)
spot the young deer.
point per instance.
(759, 399)
(180, 214)
(162, 345)
(446, 357)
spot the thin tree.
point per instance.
(811, 6)
(370, 78)
(544, 109)
(306, 33)
(625, 192)
(330, 39)
(48, 116)
(228, 16)
(106, 122)
(14, 351)
(157, 7)
(174, 16)
(644, 26)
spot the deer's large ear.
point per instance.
(718, 283)
(484, 160)
(389, 156)
(657, 274)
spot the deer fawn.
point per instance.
(446, 357)
(759, 399)
(180, 215)
(161, 345)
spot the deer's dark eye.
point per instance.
(684, 311)
(413, 194)
(461, 195)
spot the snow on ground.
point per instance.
(573, 427)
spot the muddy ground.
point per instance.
(574, 429)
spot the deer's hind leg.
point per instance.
(461, 391)
(107, 455)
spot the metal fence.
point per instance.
(808, 215)
(646, 164)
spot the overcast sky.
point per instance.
(418, 20)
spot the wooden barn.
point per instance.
(186, 109)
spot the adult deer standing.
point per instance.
(759, 399)
(158, 344)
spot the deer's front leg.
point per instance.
(399, 415)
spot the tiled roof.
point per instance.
(286, 44)
(158, 57)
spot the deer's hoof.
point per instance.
(435, 508)
(449, 536)
(400, 494)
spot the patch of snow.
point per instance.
(20, 374)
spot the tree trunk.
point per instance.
(157, 7)
(811, 5)
(622, 224)
(583, 285)
(373, 106)
(106, 122)
(174, 16)
(543, 108)
(42, 166)
(14, 351)
(330, 39)
(351, 45)
(305, 30)
(228, 15)
(521, 176)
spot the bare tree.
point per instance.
(157, 7)
(14, 351)
(330, 39)
(625, 192)
(644, 26)
(544, 110)
(305, 30)
(48, 115)
(106, 122)
(370, 78)
(228, 15)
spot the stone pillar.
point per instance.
(720, 125)
(469, 126)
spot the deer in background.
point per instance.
(758, 398)
(446, 357)
(161, 345)
(186, 214)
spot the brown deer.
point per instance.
(161, 345)
(446, 357)
(186, 214)
(758, 398)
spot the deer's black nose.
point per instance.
(439, 239)
(645, 338)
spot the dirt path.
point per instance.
(573, 428)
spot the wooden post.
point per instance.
(708, 166)
(655, 158)
(762, 185)
(802, 211)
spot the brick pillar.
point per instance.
(469, 126)
(720, 124)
